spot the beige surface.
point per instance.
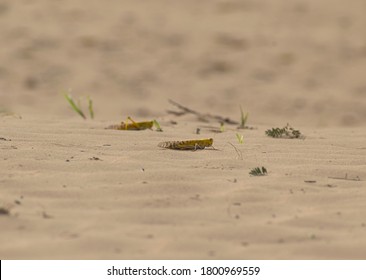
(141, 201)
(301, 62)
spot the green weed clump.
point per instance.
(285, 132)
(258, 171)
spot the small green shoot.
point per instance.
(157, 125)
(243, 118)
(222, 127)
(240, 138)
(73, 105)
(91, 111)
(258, 171)
(285, 132)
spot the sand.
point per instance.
(74, 190)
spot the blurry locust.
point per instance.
(132, 125)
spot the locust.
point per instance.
(132, 125)
(199, 144)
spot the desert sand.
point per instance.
(70, 189)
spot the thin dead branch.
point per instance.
(200, 116)
(238, 152)
(346, 178)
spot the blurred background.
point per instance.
(301, 61)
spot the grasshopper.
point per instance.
(187, 144)
(133, 125)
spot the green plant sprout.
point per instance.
(243, 118)
(77, 106)
(222, 127)
(240, 138)
(258, 171)
(73, 105)
(91, 111)
(157, 125)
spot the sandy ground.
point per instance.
(75, 190)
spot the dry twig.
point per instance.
(200, 116)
